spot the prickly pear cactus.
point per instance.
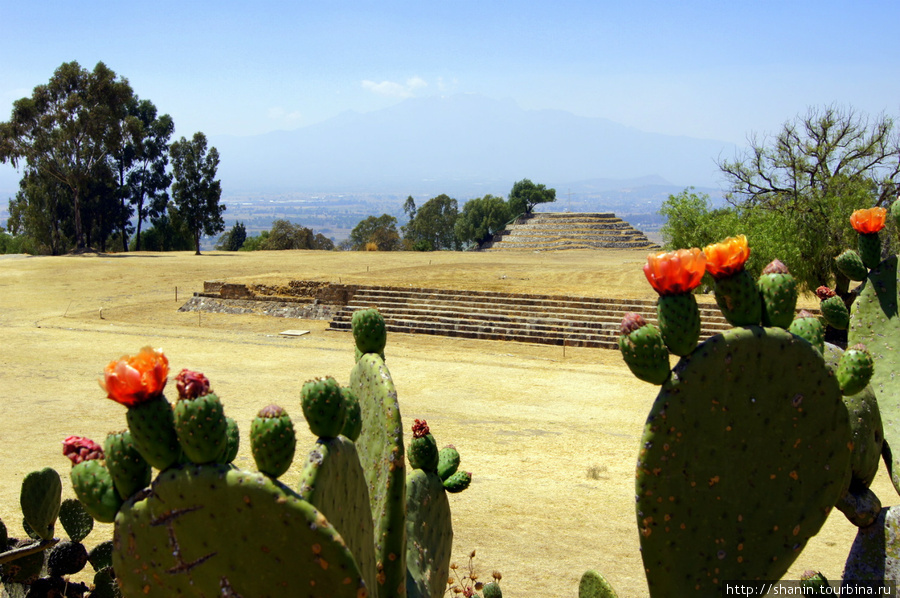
(381, 451)
(209, 530)
(745, 451)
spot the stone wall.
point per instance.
(296, 291)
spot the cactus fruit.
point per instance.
(423, 451)
(353, 420)
(40, 499)
(152, 427)
(211, 530)
(67, 558)
(94, 487)
(323, 406)
(773, 421)
(778, 290)
(369, 330)
(492, 590)
(232, 442)
(448, 461)
(199, 418)
(75, 519)
(851, 265)
(272, 441)
(869, 246)
(458, 482)
(430, 535)
(381, 452)
(834, 310)
(737, 294)
(643, 349)
(333, 481)
(809, 327)
(679, 322)
(130, 471)
(594, 585)
(855, 369)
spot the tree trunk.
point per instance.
(137, 238)
(79, 229)
(197, 243)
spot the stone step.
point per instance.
(554, 231)
(436, 307)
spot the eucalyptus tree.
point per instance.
(68, 129)
(195, 190)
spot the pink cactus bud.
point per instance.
(270, 411)
(79, 448)
(191, 385)
(824, 293)
(776, 266)
(804, 314)
(860, 347)
(420, 428)
(632, 322)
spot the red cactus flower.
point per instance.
(191, 385)
(79, 448)
(631, 322)
(868, 221)
(420, 428)
(135, 379)
(824, 293)
(727, 257)
(675, 272)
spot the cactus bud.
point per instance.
(79, 448)
(191, 385)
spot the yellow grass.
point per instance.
(551, 439)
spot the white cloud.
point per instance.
(279, 113)
(395, 90)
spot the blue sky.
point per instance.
(717, 70)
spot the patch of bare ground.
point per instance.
(551, 439)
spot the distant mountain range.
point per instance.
(462, 145)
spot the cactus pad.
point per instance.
(429, 532)
(875, 322)
(94, 487)
(854, 370)
(232, 442)
(353, 420)
(423, 451)
(382, 455)
(458, 482)
(751, 407)
(40, 498)
(448, 461)
(778, 291)
(738, 298)
(75, 519)
(594, 585)
(810, 328)
(333, 481)
(173, 542)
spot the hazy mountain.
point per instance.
(463, 145)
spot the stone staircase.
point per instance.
(545, 319)
(557, 230)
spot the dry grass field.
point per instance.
(551, 438)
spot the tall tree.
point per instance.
(68, 128)
(234, 239)
(42, 212)
(481, 218)
(525, 195)
(195, 190)
(812, 175)
(431, 227)
(141, 165)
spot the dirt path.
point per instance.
(551, 439)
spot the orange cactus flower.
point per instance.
(675, 272)
(727, 257)
(868, 221)
(135, 379)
